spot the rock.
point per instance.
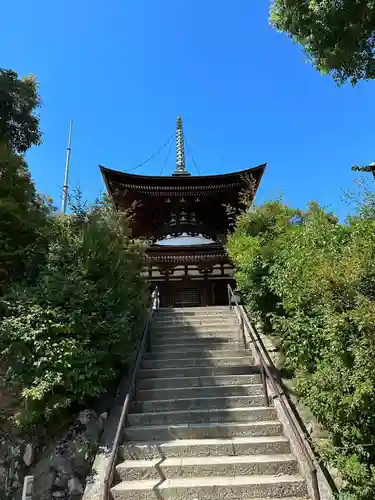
(16, 484)
(15, 451)
(85, 416)
(61, 480)
(103, 417)
(81, 458)
(74, 486)
(28, 455)
(310, 427)
(91, 423)
(43, 483)
(61, 464)
(59, 494)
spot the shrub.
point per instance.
(314, 282)
(66, 337)
(252, 249)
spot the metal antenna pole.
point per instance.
(67, 163)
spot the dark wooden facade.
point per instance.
(173, 206)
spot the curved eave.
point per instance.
(182, 249)
(116, 176)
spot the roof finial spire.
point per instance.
(180, 149)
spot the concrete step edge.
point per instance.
(206, 322)
(167, 348)
(204, 387)
(195, 411)
(252, 368)
(197, 442)
(196, 363)
(210, 460)
(203, 430)
(204, 325)
(213, 481)
(199, 371)
(224, 399)
(217, 377)
(194, 343)
(190, 353)
(212, 425)
(206, 446)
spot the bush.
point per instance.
(314, 282)
(252, 249)
(66, 337)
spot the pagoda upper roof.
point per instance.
(182, 204)
(189, 185)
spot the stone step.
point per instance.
(223, 313)
(204, 371)
(189, 336)
(205, 447)
(215, 391)
(207, 354)
(198, 403)
(191, 347)
(137, 470)
(255, 414)
(199, 309)
(200, 342)
(206, 430)
(194, 321)
(186, 330)
(177, 382)
(212, 488)
(196, 362)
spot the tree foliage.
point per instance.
(312, 280)
(72, 296)
(337, 35)
(23, 214)
(19, 126)
(23, 220)
(66, 337)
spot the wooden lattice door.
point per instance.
(188, 297)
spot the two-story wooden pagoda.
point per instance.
(198, 210)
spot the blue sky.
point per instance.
(123, 71)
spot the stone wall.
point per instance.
(62, 472)
(14, 461)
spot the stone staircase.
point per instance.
(199, 427)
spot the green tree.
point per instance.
(23, 214)
(23, 219)
(337, 35)
(19, 126)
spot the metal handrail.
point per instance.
(266, 372)
(154, 305)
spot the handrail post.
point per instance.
(314, 484)
(264, 383)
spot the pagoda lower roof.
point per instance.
(180, 185)
(186, 253)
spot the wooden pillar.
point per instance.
(205, 290)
